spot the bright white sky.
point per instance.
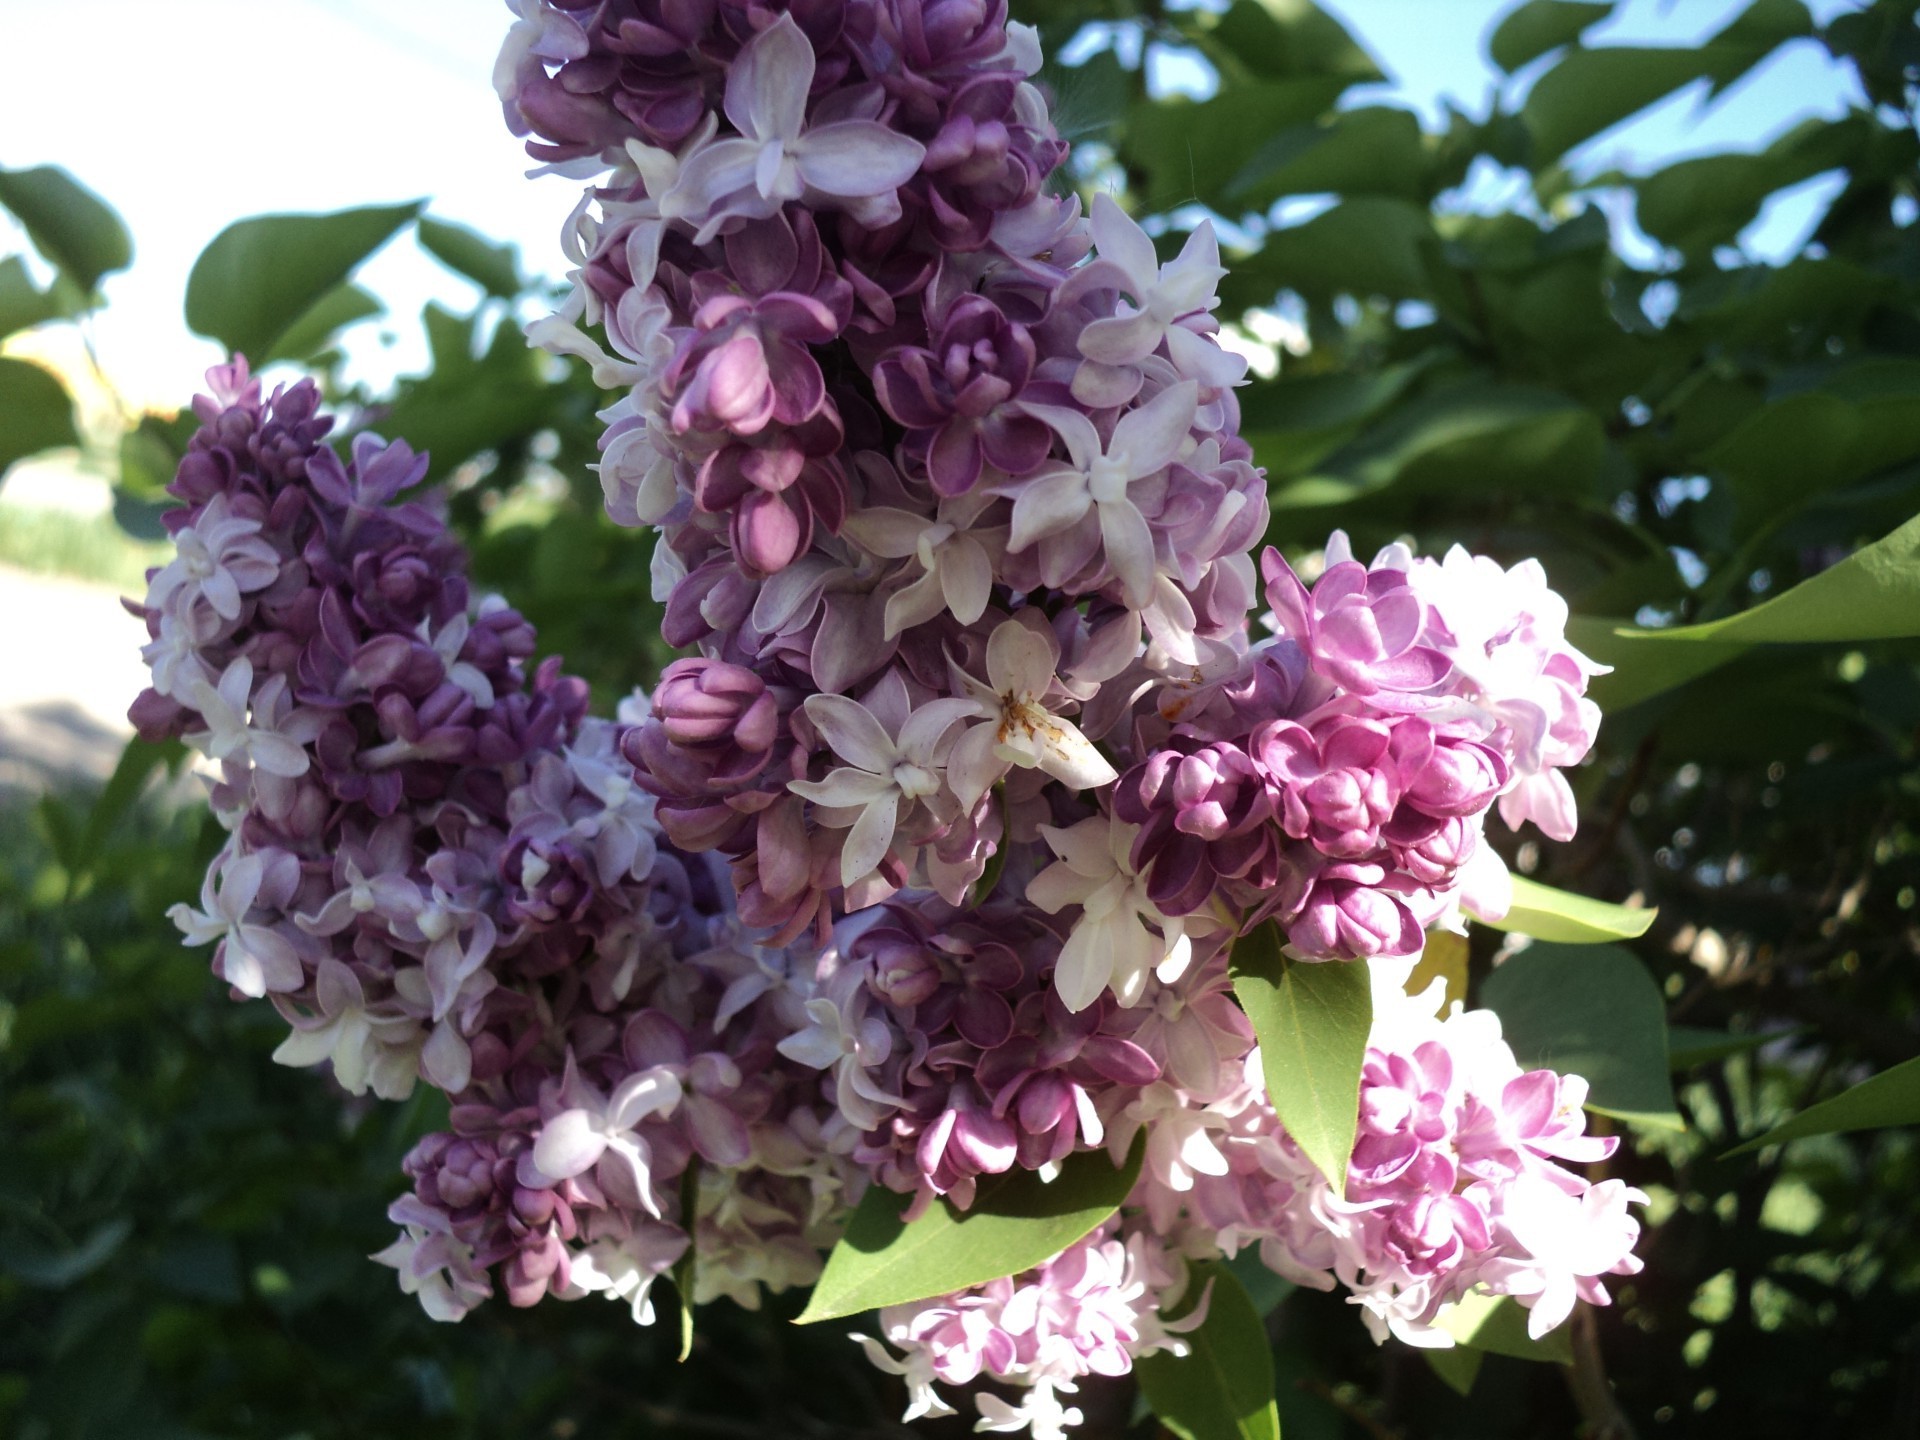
(188, 114)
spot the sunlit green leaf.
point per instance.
(1890, 1098)
(491, 265)
(1549, 914)
(1016, 1221)
(22, 303)
(36, 413)
(261, 275)
(1223, 1390)
(333, 312)
(74, 228)
(1497, 1325)
(1312, 1020)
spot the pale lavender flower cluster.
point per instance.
(439, 869)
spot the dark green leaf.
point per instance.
(57, 1269)
(74, 228)
(1890, 1098)
(1691, 1045)
(36, 413)
(1015, 1223)
(1559, 915)
(1223, 1390)
(1289, 40)
(1538, 26)
(1264, 1288)
(1312, 1020)
(1191, 151)
(1591, 1011)
(260, 276)
(1370, 151)
(1697, 204)
(494, 267)
(136, 767)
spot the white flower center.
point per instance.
(914, 781)
(1107, 479)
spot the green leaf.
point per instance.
(1223, 1390)
(1015, 1223)
(1890, 1098)
(1697, 204)
(1286, 40)
(22, 305)
(1367, 245)
(1458, 1367)
(74, 228)
(1874, 594)
(1371, 151)
(1559, 915)
(1312, 1019)
(494, 267)
(1691, 1045)
(36, 413)
(313, 332)
(57, 1269)
(1538, 26)
(1192, 150)
(1497, 1325)
(1264, 1288)
(1591, 1011)
(136, 767)
(1480, 436)
(261, 275)
(1593, 90)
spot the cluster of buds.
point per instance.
(927, 865)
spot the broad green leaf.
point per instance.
(1368, 245)
(1890, 1098)
(22, 304)
(261, 275)
(1312, 1019)
(465, 406)
(1696, 204)
(313, 332)
(1591, 1011)
(1370, 151)
(74, 228)
(1538, 26)
(1874, 594)
(493, 266)
(1444, 958)
(1691, 1045)
(1593, 90)
(1479, 436)
(1458, 1367)
(1286, 40)
(1223, 1390)
(1497, 1325)
(1559, 915)
(36, 413)
(51, 1269)
(1192, 150)
(1015, 1223)
(1264, 1288)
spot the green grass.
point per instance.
(82, 547)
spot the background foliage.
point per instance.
(1680, 439)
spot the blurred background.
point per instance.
(1631, 287)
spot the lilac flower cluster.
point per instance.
(439, 869)
(926, 866)
(953, 506)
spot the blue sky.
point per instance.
(193, 113)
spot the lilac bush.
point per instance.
(927, 867)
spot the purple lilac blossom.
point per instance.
(926, 867)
